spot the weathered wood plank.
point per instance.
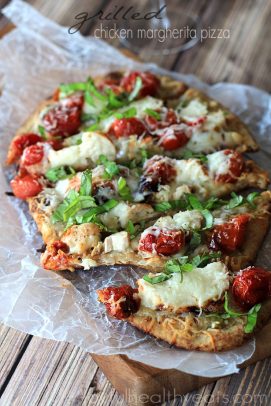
(12, 344)
(245, 56)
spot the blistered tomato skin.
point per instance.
(252, 286)
(26, 186)
(236, 167)
(125, 127)
(120, 302)
(229, 236)
(32, 155)
(173, 138)
(166, 242)
(65, 118)
(160, 170)
(23, 141)
(150, 83)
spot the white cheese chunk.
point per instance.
(214, 119)
(166, 222)
(218, 163)
(85, 154)
(88, 263)
(198, 287)
(194, 110)
(188, 220)
(190, 172)
(117, 242)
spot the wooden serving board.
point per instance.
(142, 384)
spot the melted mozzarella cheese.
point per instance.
(140, 106)
(88, 263)
(194, 110)
(218, 163)
(85, 154)
(197, 288)
(117, 242)
(123, 212)
(188, 220)
(190, 172)
(214, 119)
(166, 222)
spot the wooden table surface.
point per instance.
(35, 371)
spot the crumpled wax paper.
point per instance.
(35, 57)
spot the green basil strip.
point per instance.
(153, 113)
(59, 172)
(131, 112)
(156, 279)
(209, 220)
(136, 89)
(86, 183)
(124, 190)
(68, 88)
(251, 197)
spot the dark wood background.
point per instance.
(35, 371)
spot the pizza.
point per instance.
(133, 168)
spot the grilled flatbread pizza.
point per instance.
(195, 306)
(133, 168)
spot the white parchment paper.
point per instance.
(34, 59)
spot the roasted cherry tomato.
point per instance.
(127, 126)
(26, 186)
(120, 302)
(57, 256)
(166, 121)
(65, 118)
(20, 143)
(150, 83)
(161, 170)
(32, 155)
(229, 236)
(252, 286)
(173, 137)
(235, 167)
(162, 242)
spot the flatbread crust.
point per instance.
(190, 333)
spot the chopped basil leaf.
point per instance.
(89, 99)
(91, 88)
(69, 88)
(42, 132)
(163, 206)
(136, 89)
(195, 240)
(123, 189)
(86, 183)
(194, 202)
(114, 101)
(156, 279)
(110, 167)
(189, 154)
(200, 261)
(144, 155)
(251, 315)
(131, 112)
(252, 318)
(130, 228)
(235, 201)
(58, 173)
(153, 114)
(251, 197)
(209, 220)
